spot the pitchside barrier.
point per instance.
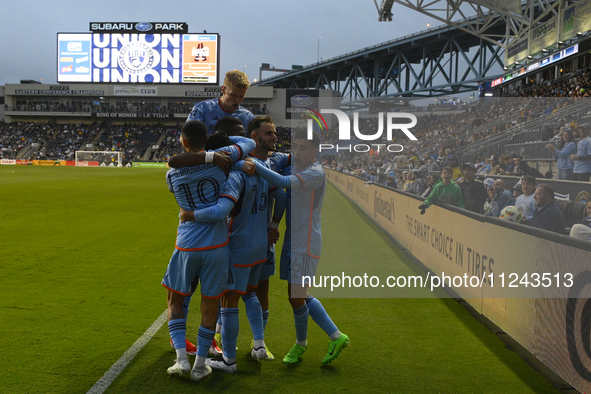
(550, 316)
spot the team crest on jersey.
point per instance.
(136, 58)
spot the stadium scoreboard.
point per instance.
(138, 52)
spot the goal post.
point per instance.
(98, 158)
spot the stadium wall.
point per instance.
(552, 323)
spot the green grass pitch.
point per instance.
(83, 253)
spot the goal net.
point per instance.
(99, 158)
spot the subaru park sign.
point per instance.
(345, 130)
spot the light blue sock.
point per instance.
(204, 340)
(300, 316)
(319, 315)
(255, 315)
(265, 319)
(178, 331)
(230, 328)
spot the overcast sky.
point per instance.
(280, 32)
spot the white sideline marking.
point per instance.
(101, 385)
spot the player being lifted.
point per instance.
(246, 198)
(200, 251)
(302, 244)
(233, 91)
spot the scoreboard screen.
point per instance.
(138, 58)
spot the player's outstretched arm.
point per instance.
(245, 144)
(210, 214)
(188, 159)
(281, 181)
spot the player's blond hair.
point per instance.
(236, 78)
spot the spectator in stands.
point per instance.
(563, 154)
(433, 166)
(523, 169)
(547, 133)
(583, 229)
(422, 170)
(400, 161)
(417, 186)
(457, 173)
(486, 168)
(498, 199)
(517, 191)
(582, 159)
(547, 215)
(446, 191)
(496, 166)
(473, 190)
(431, 182)
(391, 182)
(526, 201)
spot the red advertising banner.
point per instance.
(23, 162)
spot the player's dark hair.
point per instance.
(217, 140)
(529, 179)
(256, 123)
(227, 125)
(194, 132)
(447, 169)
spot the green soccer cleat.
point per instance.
(335, 348)
(294, 355)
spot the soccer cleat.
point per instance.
(218, 340)
(270, 356)
(259, 353)
(214, 349)
(220, 364)
(197, 374)
(335, 348)
(182, 368)
(294, 355)
(191, 349)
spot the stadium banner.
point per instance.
(71, 163)
(125, 57)
(23, 162)
(517, 52)
(297, 101)
(131, 115)
(43, 162)
(575, 19)
(149, 164)
(9, 162)
(551, 322)
(543, 36)
(133, 91)
(83, 163)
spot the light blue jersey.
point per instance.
(583, 149)
(210, 111)
(305, 206)
(248, 224)
(308, 186)
(199, 187)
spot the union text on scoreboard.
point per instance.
(143, 52)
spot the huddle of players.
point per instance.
(227, 228)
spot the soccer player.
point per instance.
(233, 91)
(247, 199)
(200, 250)
(302, 244)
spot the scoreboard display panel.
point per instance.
(138, 58)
